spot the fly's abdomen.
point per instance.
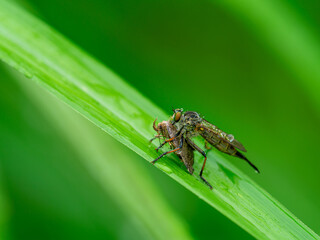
(219, 143)
(226, 148)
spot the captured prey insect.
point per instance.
(190, 124)
(183, 147)
(167, 131)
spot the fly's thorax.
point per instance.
(192, 116)
(192, 134)
(191, 120)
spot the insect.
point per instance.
(189, 124)
(166, 131)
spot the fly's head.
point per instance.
(186, 120)
(176, 117)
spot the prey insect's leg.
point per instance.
(174, 150)
(155, 137)
(194, 146)
(170, 139)
(162, 144)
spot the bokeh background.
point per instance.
(207, 56)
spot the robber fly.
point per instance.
(167, 131)
(190, 124)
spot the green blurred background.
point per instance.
(199, 55)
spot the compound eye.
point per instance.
(177, 116)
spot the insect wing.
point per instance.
(207, 126)
(237, 144)
(187, 156)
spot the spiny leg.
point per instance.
(171, 151)
(162, 144)
(196, 147)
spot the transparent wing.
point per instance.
(216, 132)
(237, 144)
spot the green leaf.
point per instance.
(46, 57)
(4, 210)
(108, 164)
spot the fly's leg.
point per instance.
(196, 147)
(164, 143)
(174, 150)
